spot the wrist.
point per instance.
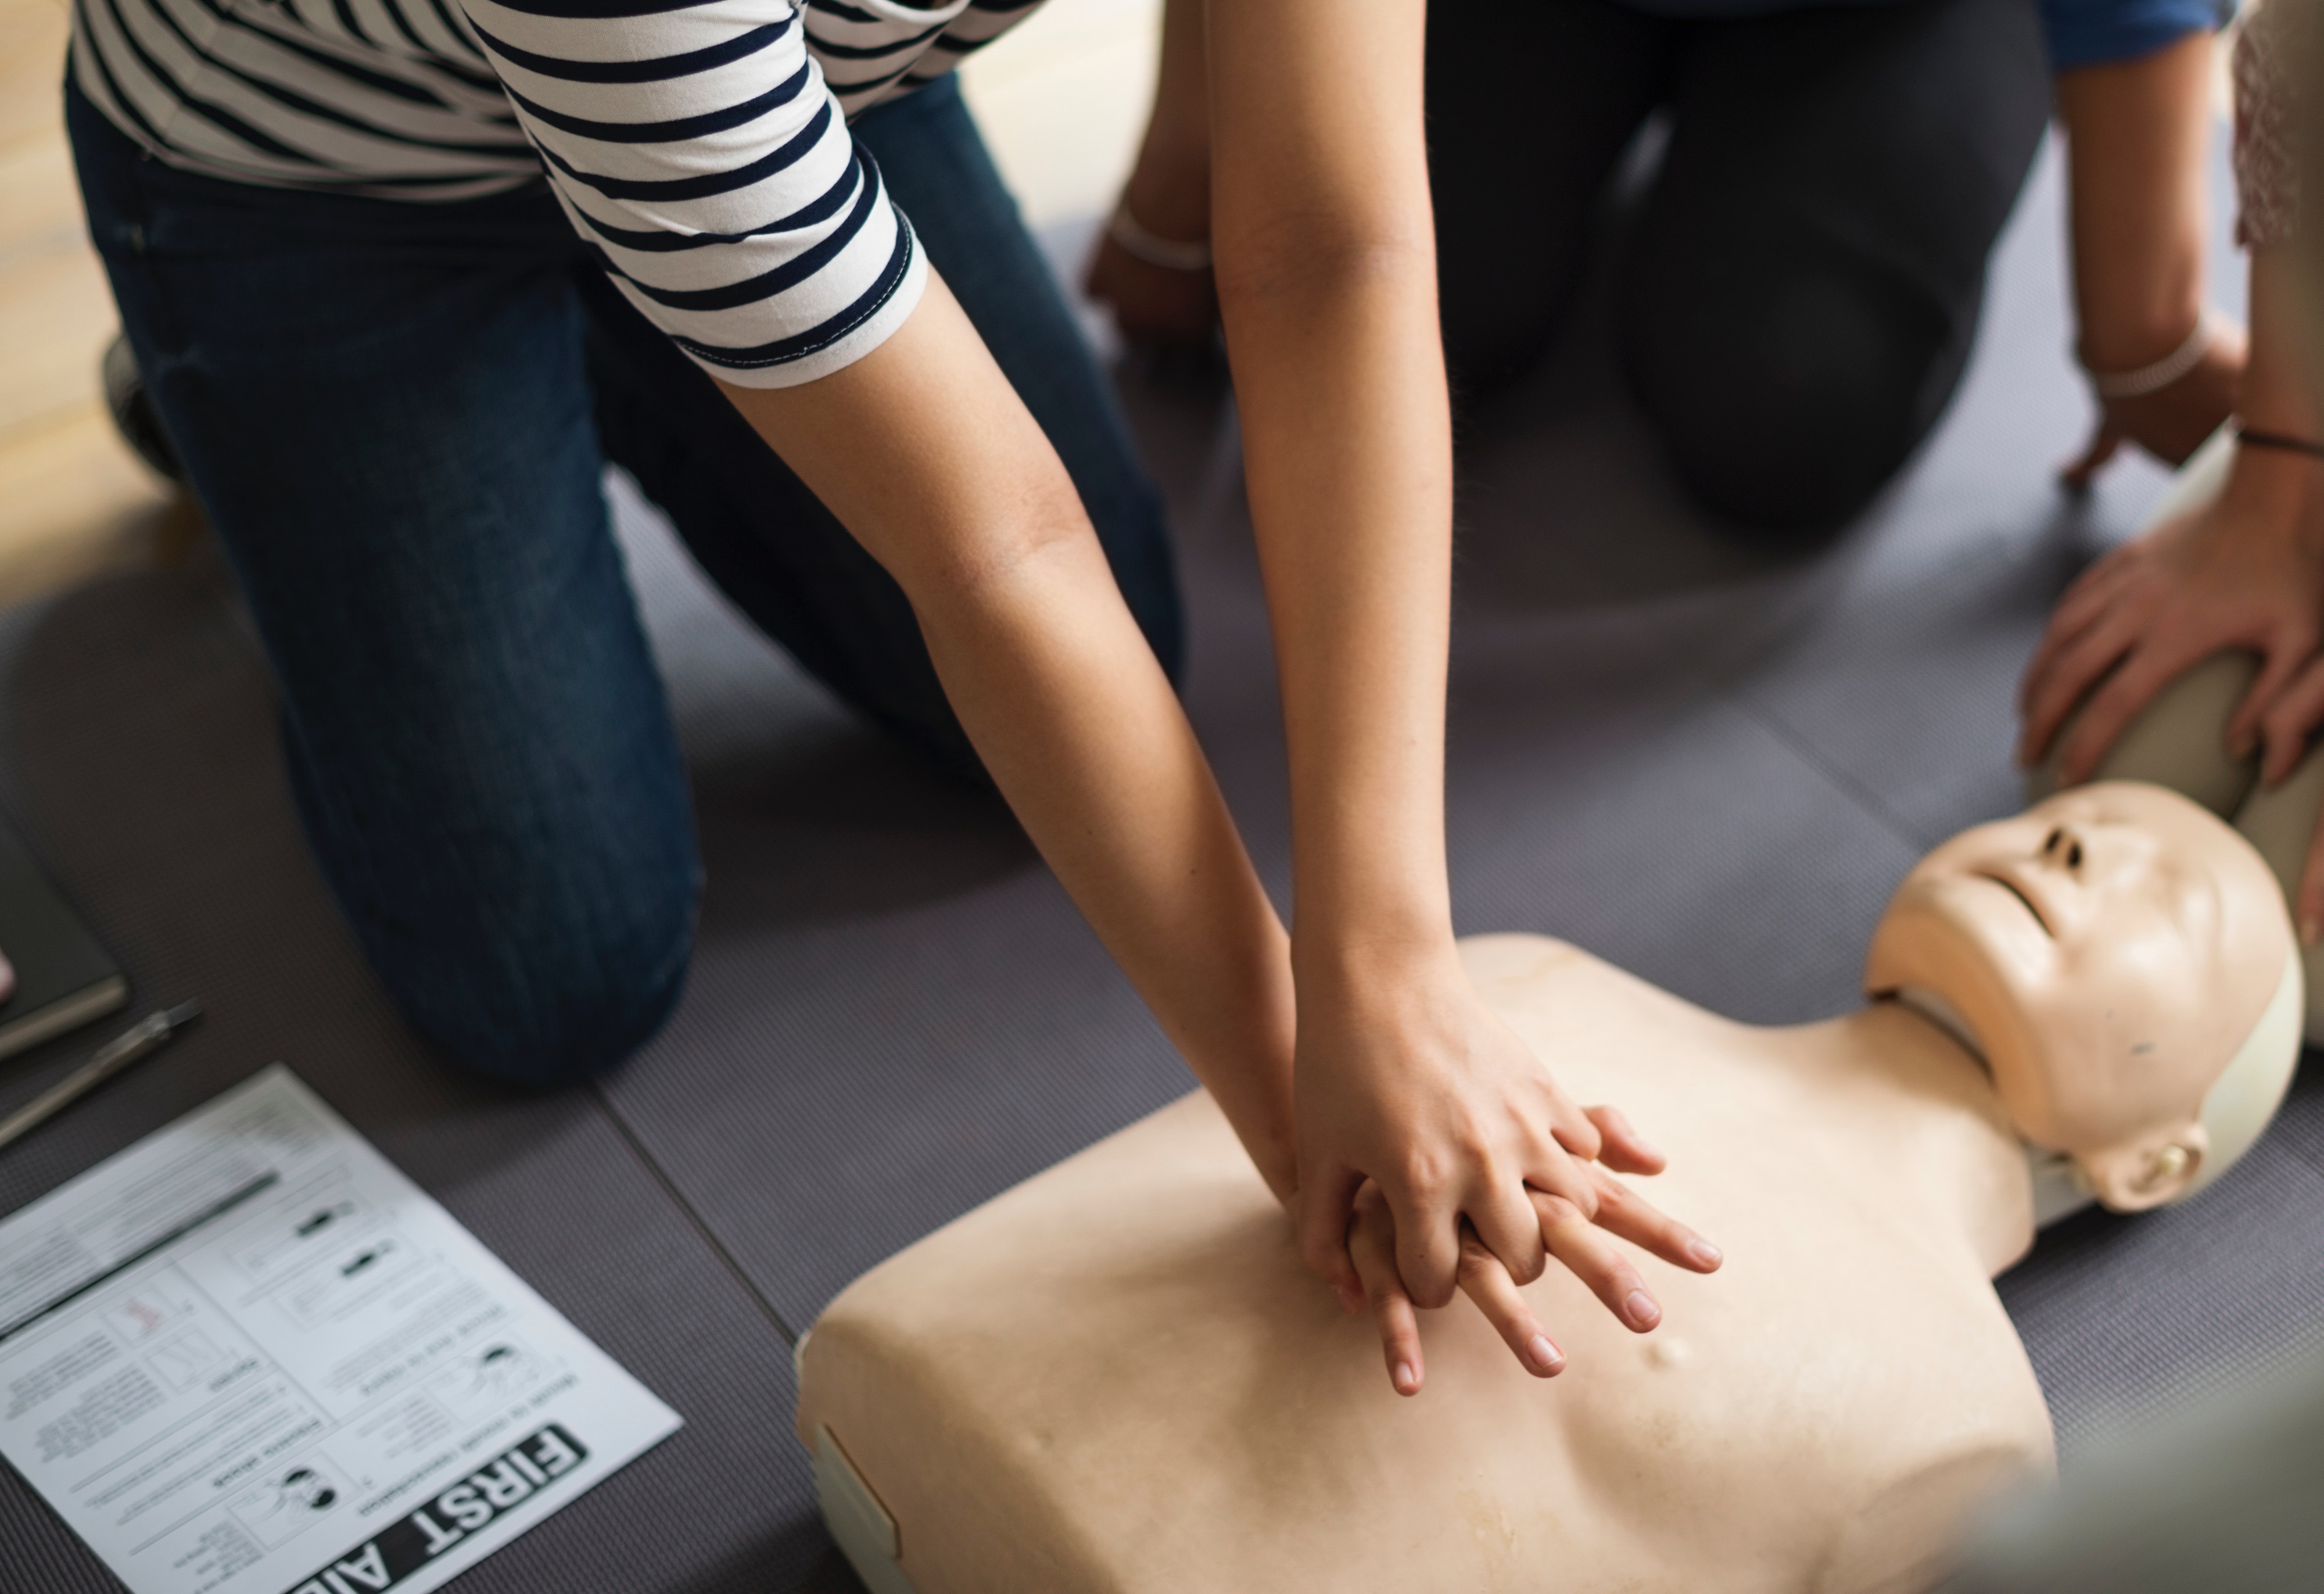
(1367, 967)
(2272, 486)
(1169, 191)
(2132, 359)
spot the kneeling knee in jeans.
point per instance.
(552, 1014)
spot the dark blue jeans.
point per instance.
(397, 417)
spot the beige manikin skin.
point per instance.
(1118, 1376)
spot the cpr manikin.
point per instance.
(1118, 1376)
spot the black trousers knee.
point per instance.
(1804, 280)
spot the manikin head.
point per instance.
(2123, 961)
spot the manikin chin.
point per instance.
(1118, 1376)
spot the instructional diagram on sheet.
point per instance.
(248, 1353)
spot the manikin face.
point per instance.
(2110, 951)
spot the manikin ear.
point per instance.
(2151, 1171)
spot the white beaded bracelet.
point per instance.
(1169, 254)
(2163, 373)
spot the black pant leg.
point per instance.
(1812, 262)
(1529, 104)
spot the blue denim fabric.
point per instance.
(396, 418)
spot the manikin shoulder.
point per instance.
(1541, 972)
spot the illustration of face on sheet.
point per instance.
(290, 1501)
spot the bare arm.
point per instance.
(925, 452)
(2138, 139)
(1326, 274)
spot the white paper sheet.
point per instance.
(248, 1353)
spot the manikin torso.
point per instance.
(1160, 1398)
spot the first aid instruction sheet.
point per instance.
(248, 1353)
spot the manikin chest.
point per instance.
(1117, 1376)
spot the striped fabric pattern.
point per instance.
(700, 147)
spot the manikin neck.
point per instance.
(2059, 1191)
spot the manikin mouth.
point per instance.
(2013, 889)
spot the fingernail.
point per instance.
(1407, 1380)
(1704, 1253)
(1545, 1357)
(1640, 1309)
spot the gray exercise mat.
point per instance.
(137, 747)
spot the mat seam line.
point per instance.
(1813, 756)
(701, 1226)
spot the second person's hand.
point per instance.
(2170, 423)
(2245, 571)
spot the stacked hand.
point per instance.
(1437, 1155)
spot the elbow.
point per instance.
(1296, 260)
(975, 565)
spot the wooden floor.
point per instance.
(73, 499)
(1062, 100)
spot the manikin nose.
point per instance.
(2063, 848)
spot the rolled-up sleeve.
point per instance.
(698, 151)
(2089, 33)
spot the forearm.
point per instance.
(2276, 393)
(1347, 442)
(1327, 287)
(925, 454)
(2276, 486)
(2138, 135)
(1170, 189)
(1082, 732)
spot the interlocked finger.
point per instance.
(1488, 1284)
(1621, 1147)
(1324, 1202)
(1625, 1214)
(1371, 1244)
(1427, 1240)
(1592, 1256)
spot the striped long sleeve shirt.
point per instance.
(699, 146)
